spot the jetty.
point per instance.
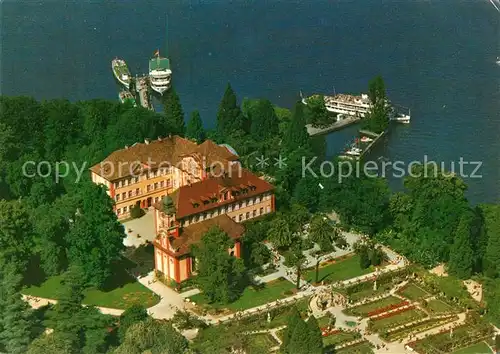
(141, 87)
(364, 146)
(337, 125)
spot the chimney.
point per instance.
(146, 141)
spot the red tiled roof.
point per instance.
(193, 234)
(185, 197)
(171, 150)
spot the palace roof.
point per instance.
(238, 183)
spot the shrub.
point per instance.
(136, 211)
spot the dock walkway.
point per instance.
(141, 86)
(312, 131)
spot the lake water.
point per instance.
(437, 57)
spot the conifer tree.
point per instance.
(461, 252)
(16, 320)
(299, 341)
(296, 135)
(293, 319)
(492, 252)
(174, 115)
(229, 117)
(315, 338)
(66, 316)
(264, 122)
(194, 129)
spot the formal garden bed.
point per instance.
(261, 342)
(437, 307)
(252, 296)
(360, 348)
(339, 338)
(338, 269)
(365, 309)
(413, 292)
(395, 319)
(474, 331)
(420, 326)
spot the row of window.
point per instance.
(153, 174)
(149, 188)
(126, 209)
(248, 215)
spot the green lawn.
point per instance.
(120, 297)
(479, 348)
(396, 320)
(252, 297)
(363, 310)
(340, 270)
(413, 292)
(438, 307)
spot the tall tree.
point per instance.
(151, 336)
(194, 129)
(264, 122)
(323, 233)
(296, 135)
(461, 253)
(230, 119)
(293, 319)
(132, 315)
(16, 321)
(16, 234)
(95, 239)
(67, 314)
(299, 342)
(174, 115)
(315, 338)
(492, 225)
(316, 112)
(220, 276)
(279, 233)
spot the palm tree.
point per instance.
(322, 232)
(279, 233)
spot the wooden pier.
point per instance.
(141, 86)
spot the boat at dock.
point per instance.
(354, 151)
(343, 104)
(160, 74)
(400, 117)
(498, 61)
(121, 72)
(126, 96)
(365, 139)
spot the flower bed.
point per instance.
(394, 313)
(397, 318)
(325, 332)
(420, 326)
(387, 308)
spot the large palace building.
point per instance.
(146, 172)
(192, 189)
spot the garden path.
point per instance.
(37, 302)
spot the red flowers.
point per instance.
(325, 332)
(387, 308)
(387, 315)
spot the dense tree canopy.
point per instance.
(194, 129)
(230, 119)
(221, 276)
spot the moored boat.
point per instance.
(160, 75)
(121, 72)
(365, 139)
(498, 61)
(125, 96)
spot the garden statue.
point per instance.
(375, 286)
(268, 317)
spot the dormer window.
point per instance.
(196, 205)
(244, 190)
(214, 200)
(252, 188)
(205, 202)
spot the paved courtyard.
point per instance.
(144, 227)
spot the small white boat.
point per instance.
(366, 139)
(354, 151)
(401, 117)
(498, 61)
